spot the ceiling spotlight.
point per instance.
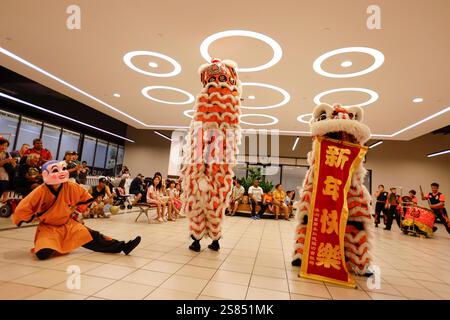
(346, 64)
(375, 144)
(377, 55)
(153, 64)
(295, 143)
(438, 153)
(251, 97)
(417, 100)
(116, 95)
(277, 52)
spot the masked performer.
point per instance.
(210, 152)
(344, 126)
(53, 204)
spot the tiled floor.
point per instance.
(254, 263)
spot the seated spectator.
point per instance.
(255, 193)
(178, 197)
(137, 189)
(155, 196)
(20, 155)
(83, 173)
(7, 165)
(121, 188)
(174, 199)
(103, 196)
(237, 194)
(268, 201)
(45, 155)
(279, 197)
(29, 175)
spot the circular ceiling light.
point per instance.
(301, 118)
(130, 55)
(189, 113)
(373, 95)
(377, 55)
(274, 120)
(277, 52)
(286, 96)
(417, 100)
(145, 93)
(346, 64)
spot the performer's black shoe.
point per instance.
(195, 246)
(376, 225)
(435, 229)
(130, 245)
(297, 262)
(214, 245)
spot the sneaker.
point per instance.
(253, 217)
(258, 217)
(160, 219)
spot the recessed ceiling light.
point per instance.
(375, 144)
(190, 97)
(162, 135)
(277, 52)
(434, 154)
(274, 120)
(373, 95)
(295, 143)
(116, 95)
(346, 64)
(286, 96)
(62, 116)
(153, 64)
(251, 97)
(417, 100)
(378, 56)
(302, 118)
(130, 55)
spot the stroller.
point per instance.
(7, 209)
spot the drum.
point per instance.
(418, 220)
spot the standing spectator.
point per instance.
(7, 165)
(278, 201)
(237, 194)
(154, 196)
(20, 155)
(255, 193)
(83, 173)
(45, 155)
(380, 206)
(125, 173)
(72, 166)
(392, 203)
(137, 188)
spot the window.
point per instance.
(88, 150)
(8, 127)
(50, 138)
(272, 174)
(111, 159)
(293, 178)
(100, 154)
(28, 131)
(240, 170)
(120, 155)
(69, 142)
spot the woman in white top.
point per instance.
(155, 196)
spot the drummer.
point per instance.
(437, 204)
(381, 196)
(393, 202)
(412, 195)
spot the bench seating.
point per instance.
(144, 208)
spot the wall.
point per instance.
(149, 153)
(405, 164)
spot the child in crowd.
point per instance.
(173, 200)
(155, 195)
(179, 203)
(268, 201)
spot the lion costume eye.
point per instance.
(322, 116)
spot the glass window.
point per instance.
(88, 150)
(120, 155)
(28, 131)
(240, 170)
(293, 178)
(8, 127)
(111, 160)
(50, 138)
(100, 154)
(272, 174)
(69, 142)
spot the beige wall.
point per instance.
(149, 153)
(405, 164)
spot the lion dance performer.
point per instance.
(210, 152)
(53, 204)
(338, 135)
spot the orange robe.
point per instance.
(57, 230)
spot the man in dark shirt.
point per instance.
(392, 203)
(437, 204)
(137, 188)
(381, 196)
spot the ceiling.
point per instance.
(87, 64)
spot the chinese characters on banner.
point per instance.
(324, 257)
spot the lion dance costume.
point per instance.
(342, 125)
(210, 152)
(53, 204)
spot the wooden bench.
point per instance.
(144, 208)
(246, 210)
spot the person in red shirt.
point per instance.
(437, 204)
(45, 154)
